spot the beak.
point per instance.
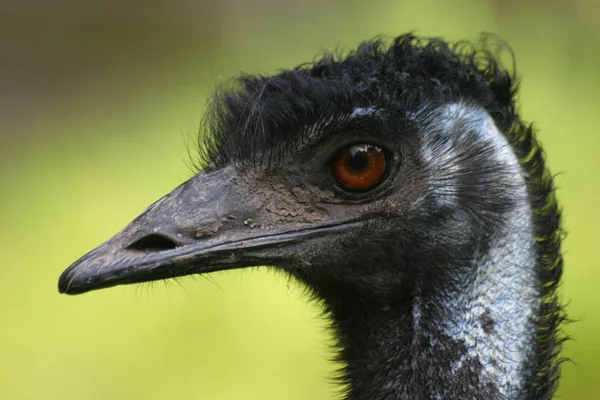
(202, 226)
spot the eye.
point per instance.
(359, 167)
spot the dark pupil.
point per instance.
(358, 160)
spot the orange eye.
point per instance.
(359, 167)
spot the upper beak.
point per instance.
(203, 225)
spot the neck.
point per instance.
(473, 338)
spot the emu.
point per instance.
(399, 184)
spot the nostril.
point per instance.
(153, 243)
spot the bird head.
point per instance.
(347, 172)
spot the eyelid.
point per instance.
(355, 122)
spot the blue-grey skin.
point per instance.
(494, 314)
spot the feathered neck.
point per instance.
(467, 337)
(478, 317)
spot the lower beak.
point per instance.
(201, 226)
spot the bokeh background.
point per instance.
(97, 102)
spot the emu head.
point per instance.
(401, 186)
(366, 174)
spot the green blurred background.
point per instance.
(97, 102)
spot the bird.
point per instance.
(398, 183)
